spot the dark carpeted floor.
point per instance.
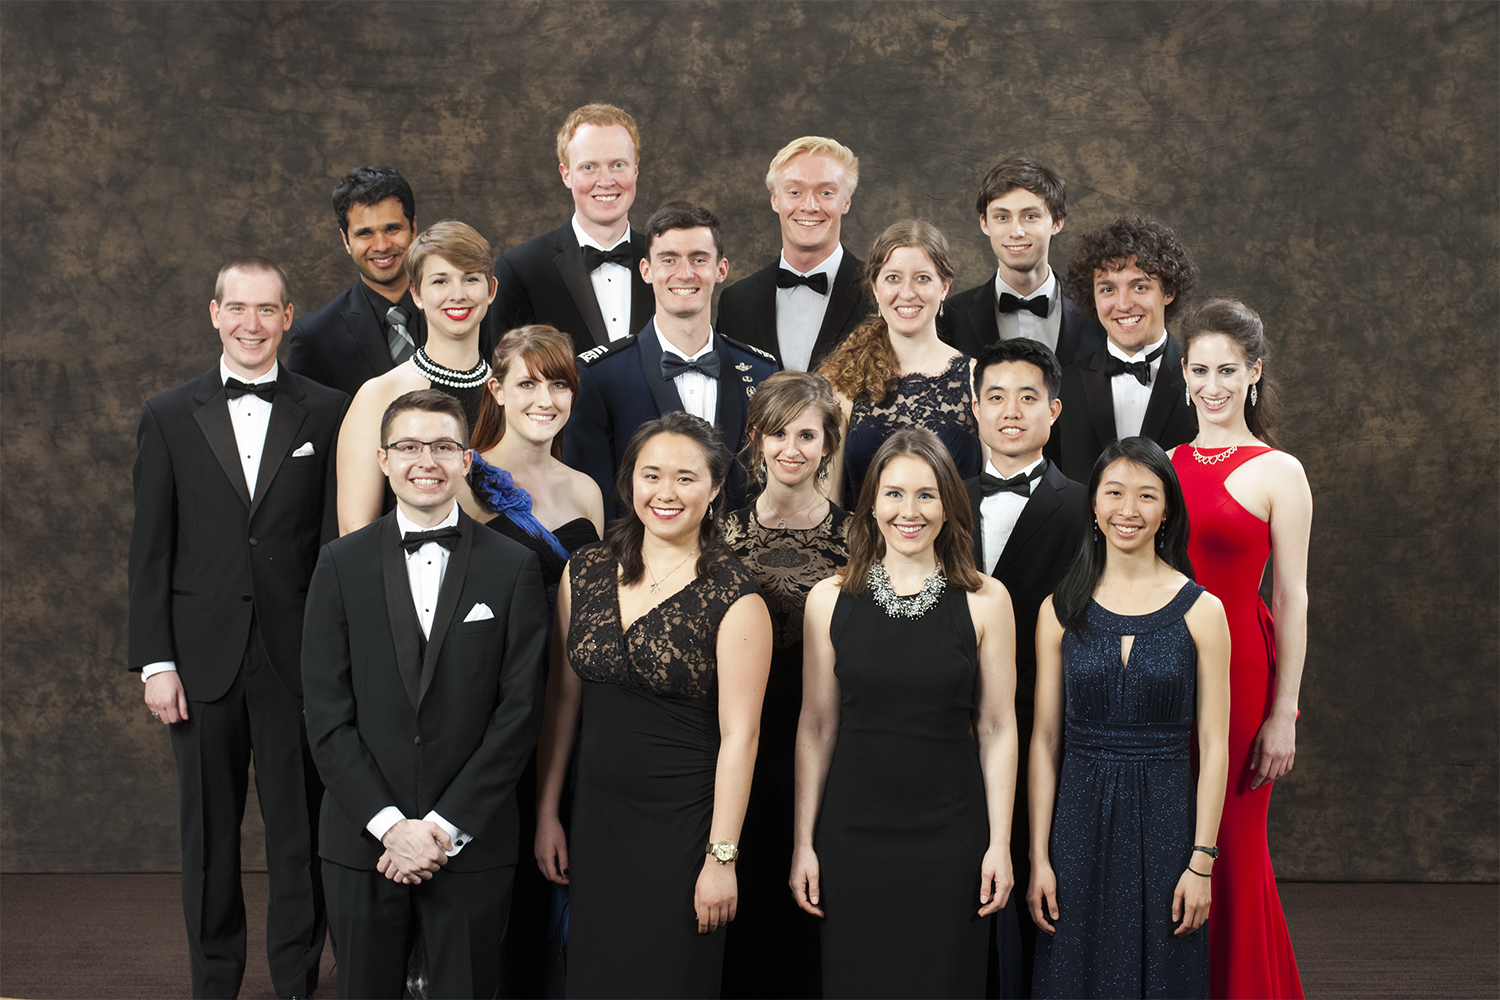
(121, 936)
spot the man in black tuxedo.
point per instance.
(422, 663)
(372, 326)
(676, 362)
(234, 492)
(1021, 206)
(1138, 274)
(800, 307)
(583, 278)
(1029, 520)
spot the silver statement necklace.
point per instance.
(1216, 459)
(435, 372)
(913, 606)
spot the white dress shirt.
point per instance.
(424, 569)
(698, 392)
(1130, 397)
(998, 514)
(800, 310)
(1022, 322)
(611, 285)
(250, 416)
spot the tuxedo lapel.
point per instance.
(981, 309)
(453, 585)
(1165, 393)
(218, 430)
(1100, 397)
(574, 275)
(664, 393)
(401, 613)
(1042, 504)
(642, 299)
(368, 330)
(976, 497)
(844, 299)
(763, 322)
(287, 415)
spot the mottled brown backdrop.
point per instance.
(1334, 164)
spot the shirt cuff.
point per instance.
(383, 821)
(150, 670)
(456, 835)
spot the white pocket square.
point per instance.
(480, 612)
(305, 450)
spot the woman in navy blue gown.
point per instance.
(1132, 655)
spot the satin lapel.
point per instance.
(1100, 398)
(453, 585)
(406, 630)
(982, 315)
(664, 393)
(763, 301)
(971, 486)
(218, 430)
(846, 296)
(1041, 505)
(1166, 392)
(642, 299)
(287, 415)
(368, 330)
(570, 265)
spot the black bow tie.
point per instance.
(1036, 304)
(1140, 369)
(673, 365)
(234, 389)
(791, 279)
(622, 255)
(990, 485)
(446, 537)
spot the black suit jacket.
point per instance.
(343, 345)
(205, 556)
(446, 728)
(1087, 423)
(621, 387)
(747, 310)
(544, 281)
(969, 324)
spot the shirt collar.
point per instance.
(830, 266)
(1109, 345)
(990, 468)
(585, 240)
(405, 524)
(1048, 288)
(667, 347)
(225, 374)
(382, 305)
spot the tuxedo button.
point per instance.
(246, 597)
(255, 541)
(417, 740)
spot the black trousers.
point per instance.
(258, 718)
(461, 916)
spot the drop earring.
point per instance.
(1187, 395)
(1254, 394)
(760, 473)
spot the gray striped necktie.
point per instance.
(397, 336)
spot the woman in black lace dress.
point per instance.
(892, 371)
(789, 537)
(664, 645)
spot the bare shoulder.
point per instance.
(991, 594)
(1206, 610)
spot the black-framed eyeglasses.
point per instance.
(443, 449)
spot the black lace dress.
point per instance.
(786, 562)
(645, 794)
(941, 403)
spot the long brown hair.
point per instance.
(777, 402)
(1242, 325)
(954, 545)
(548, 354)
(864, 366)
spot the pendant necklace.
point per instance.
(655, 583)
(1216, 459)
(781, 519)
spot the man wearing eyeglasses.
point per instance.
(234, 492)
(423, 670)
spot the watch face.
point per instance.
(724, 852)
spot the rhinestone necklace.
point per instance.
(475, 376)
(1216, 459)
(912, 606)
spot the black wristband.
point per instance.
(1198, 873)
(1212, 852)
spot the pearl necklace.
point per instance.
(435, 372)
(913, 605)
(1216, 459)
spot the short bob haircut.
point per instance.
(456, 242)
(596, 114)
(777, 402)
(547, 354)
(1027, 174)
(624, 534)
(817, 145)
(1242, 325)
(1023, 349)
(1156, 250)
(954, 545)
(428, 401)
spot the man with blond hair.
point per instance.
(802, 305)
(583, 278)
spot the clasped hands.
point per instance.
(414, 849)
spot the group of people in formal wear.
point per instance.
(869, 640)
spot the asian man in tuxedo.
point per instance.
(423, 671)
(1029, 521)
(583, 278)
(1021, 206)
(372, 326)
(1138, 275)
(802, 305)
(677, 362)
(234, 492)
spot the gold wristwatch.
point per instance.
(723, 852)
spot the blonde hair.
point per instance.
(456, 242)
(596, 114)
(817, 145)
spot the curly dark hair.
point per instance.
(1156, 250)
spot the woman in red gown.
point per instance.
(1246, 500)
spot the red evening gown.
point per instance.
(1250, 953)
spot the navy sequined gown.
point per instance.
(1122, 826)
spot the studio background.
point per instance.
(1333, 164)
